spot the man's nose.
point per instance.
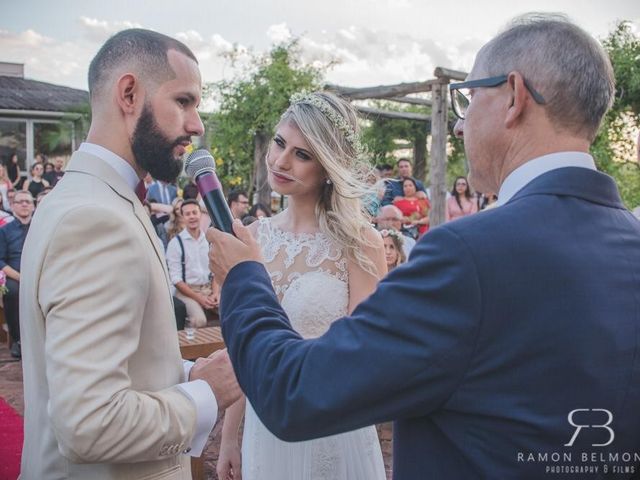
(458, 129)
(195, 127)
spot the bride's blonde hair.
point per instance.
(330, 127)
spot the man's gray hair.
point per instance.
(561, 61)
(145, 50)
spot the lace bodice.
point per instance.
(309, 275)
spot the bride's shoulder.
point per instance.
(372, 237)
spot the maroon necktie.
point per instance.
(141, 191)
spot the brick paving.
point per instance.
(11, 391)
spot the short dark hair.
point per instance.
(189, 201)
(190, 191)
(412, 180)
(146, 48)
(403, 159)
(234, 195)
(384, 166)
(259, 206)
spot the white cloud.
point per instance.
(363, 56)
(99, 30)
(47, 59)
(367, 56)
(279, 33)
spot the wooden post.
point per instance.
(260, 147)
(420, 155)
(438, 151)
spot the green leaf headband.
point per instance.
(334, 117)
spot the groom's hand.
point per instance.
(217, 371)
(227, 251)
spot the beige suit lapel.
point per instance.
(86, 163)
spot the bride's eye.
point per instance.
(278, 141)
(303, 155)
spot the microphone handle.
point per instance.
(213, 197)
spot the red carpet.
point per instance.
(11, 436)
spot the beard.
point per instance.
(153, 151)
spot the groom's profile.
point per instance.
(507, 330)
(106, 393)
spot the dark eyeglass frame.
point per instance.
(490, 82)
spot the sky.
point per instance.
(375, 42)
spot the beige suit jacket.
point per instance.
(100, 351)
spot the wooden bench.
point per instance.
(205, 341)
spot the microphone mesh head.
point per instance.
(199, 161)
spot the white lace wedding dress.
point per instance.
(309, 275)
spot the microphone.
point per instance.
(201, 167)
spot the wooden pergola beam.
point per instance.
(411, 100)
(447, 73)
(375, 112)
(381, 91)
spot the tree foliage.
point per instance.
(253, 103)
(614, 148)
(382, 135)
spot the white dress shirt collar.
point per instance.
(119, 164)
(525, 173)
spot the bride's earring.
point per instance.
(328, 181)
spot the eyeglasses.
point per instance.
(23, 202)
(461, 97)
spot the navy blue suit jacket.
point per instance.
(481, 347)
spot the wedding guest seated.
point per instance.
(188, 262)
(415, 207)
(5, 216)
(462, 202)
(393, 248)
(5, 186)
(395, 185)
(175, 223)
(390, 217)
(238, 203)
(37, 183)
(260, 210)
(12, 238)
(158, 220)
(58, 172)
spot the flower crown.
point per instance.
(390, 232)
(334, 117)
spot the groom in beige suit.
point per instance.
(107, 395)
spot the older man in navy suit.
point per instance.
(509, 345)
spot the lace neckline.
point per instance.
(291, 236)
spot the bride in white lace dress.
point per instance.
(323, 258)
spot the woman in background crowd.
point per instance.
(5, 185)
(415, 207)
(393, 248)
(176, 223)
(461, 202)
(37, 184)
(259, 210)
(13, 171)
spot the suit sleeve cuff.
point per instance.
(202, 396)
